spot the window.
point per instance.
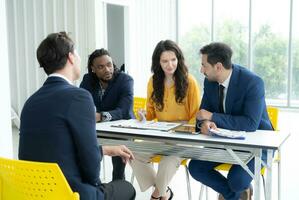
(194, 32)
(231, 27)
(295, 56)
(258, 32)
(270, 47)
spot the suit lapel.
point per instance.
(232, 90)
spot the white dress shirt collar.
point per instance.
(226, 82)
(61, 76)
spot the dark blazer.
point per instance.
(58, 125)
(245, 102)
(118, 97)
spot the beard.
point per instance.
(107, 78)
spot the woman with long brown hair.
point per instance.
(173, 96)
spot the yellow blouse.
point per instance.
(172, 111)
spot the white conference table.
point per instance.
(203, 147)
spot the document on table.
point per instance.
(227, 133)
(150, 125)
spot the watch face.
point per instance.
(105, 116)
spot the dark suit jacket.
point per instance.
(58, 125)
(118, 97)
(245, 102)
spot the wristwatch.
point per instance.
(105, 116)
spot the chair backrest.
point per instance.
(139, 103)
(25, 180)
(273, 115)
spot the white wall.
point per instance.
(5, 123)
(146, 22)
(150, 22)
(29, 22)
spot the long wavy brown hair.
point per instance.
(180, 75)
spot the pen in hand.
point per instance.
(141, 115)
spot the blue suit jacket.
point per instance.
(245, 102)
(118, 97)
(58, 125)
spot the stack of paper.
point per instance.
(227, 133)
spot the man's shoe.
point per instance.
(247, 194)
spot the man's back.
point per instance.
(58, 125)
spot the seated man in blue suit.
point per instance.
(58, 125)
(112, 93)
(234, 98)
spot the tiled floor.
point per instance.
(287, 122)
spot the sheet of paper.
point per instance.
(227, 133)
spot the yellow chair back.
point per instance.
(157, 159)
(25, 180)
(139, 103)
(273, 116)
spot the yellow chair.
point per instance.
(140, 103)
(273, 116)
(25, 180)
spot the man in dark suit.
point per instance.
(234, 98)
(58, 125)
(112, 93)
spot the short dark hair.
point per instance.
(218, 52)
(98, 53)
(53, 51)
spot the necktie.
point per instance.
(221, 97)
